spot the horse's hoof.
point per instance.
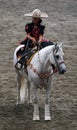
(36, 118)
(18, 103)
(30, 102)
(47, 118)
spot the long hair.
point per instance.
(39, 21)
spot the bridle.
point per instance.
(58, 64)
(62, 62)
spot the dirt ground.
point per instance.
(61, 26)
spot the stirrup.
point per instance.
(19, 65)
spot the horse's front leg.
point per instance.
(47, 104)
(36, 108)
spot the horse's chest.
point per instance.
(41, 82)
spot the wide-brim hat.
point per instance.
(36, 14)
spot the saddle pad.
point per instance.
(30, 58)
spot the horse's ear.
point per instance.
(55, 48)
(61, 44)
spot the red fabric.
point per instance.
(44, 40)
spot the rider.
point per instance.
(35, 30)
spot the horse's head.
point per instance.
(58, 58)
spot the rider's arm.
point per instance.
(31, 38)
(28, 29)
(40, 38)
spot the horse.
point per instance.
(40, 72)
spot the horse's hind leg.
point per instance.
(21, 88)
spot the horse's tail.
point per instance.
(21, 82)
(23, 90)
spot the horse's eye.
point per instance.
(57, 56)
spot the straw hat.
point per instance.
(36, 14)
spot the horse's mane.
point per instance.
(45, 50)
(42, 55)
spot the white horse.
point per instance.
(40, 71)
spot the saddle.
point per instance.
(24, 57)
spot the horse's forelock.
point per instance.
(58, 48)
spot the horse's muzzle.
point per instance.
(62, 69)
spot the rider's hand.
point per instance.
(40, 39)
(33, 40)
(39, 42)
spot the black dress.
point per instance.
(34, 31)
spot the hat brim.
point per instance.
(43, 15)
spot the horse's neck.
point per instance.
(46, 58)
(41, 59)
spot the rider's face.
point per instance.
(35, 20)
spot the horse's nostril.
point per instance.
(63, 71)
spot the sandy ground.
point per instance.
(61, 26)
